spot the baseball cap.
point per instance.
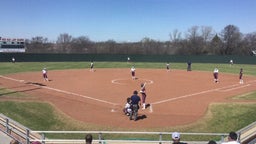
(175, 135)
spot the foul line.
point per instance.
(230, 89)
(62, 91)
(203, 92)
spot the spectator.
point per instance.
(212, 142)
(14, 142)
(176, 138)
(88, 139)
(232, 138)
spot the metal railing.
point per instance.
(16, 130)
(11, 127)
(101, 139)
(247, 133)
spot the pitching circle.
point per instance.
(123, 81)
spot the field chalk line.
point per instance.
(62, 91)
(229, 88)
(117, 81)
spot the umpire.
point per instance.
(135, 102)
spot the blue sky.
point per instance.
(121, 20)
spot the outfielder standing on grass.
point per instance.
(241, 76)
(133, 72)
(216, 75)
(143, 95)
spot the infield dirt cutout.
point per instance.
(176, 98)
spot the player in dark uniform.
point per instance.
(189, 66)
(168, 67)
(135, 102)
(241, 76)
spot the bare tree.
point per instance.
(248, 44)
(175, 36)
(231, 38)
(39, 39)
(192, 33)
(216, 45)
(206, 33)
(64, 38)
(81, 44)
(64, 43)
(195, 41)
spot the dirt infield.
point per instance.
(176, 98)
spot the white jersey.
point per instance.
(44, 71)
(215, 70)
(133, 69)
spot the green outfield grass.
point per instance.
(220, 117)
(7, 68)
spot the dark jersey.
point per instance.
(135, 99)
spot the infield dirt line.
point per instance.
(62, 91)
(228, 88)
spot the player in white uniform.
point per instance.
(133, 72)
(91, 66)
(127, 108)
(216, 75)
(143, 95)
(44, 71)
(168, 67)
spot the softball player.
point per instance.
(133, 72)
(127, 108)
(189, 66)
(167, 67)
(44, 71)
(91, 66)
(241, 76)
(216, 75)
(143, 95)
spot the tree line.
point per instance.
(196, 41)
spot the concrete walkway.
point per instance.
(4, 139)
